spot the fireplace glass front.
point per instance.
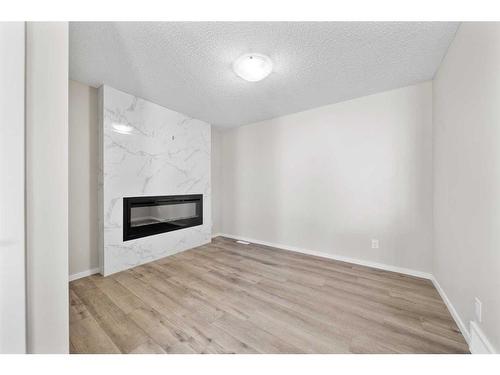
(145, 216)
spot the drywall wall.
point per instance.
(164, 153)
(467, 175)
(47, 186)
(216, 173)
(83, 173)
(12, 244)
(333, 178)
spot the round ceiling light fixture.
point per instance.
(253, 67)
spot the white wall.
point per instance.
(216, 167)
(333, 178)
(83, 173)
(47, 186)
(12, 244)
(467, 174)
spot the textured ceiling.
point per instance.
(186, 66)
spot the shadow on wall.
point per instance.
(250, 183)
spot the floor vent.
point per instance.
(243, 242)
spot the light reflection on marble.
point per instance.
(162, 152)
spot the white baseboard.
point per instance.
(367, 263)
(453, 311)
(86, 273)
(216, 235)
(479, 343)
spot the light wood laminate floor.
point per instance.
(230, 298)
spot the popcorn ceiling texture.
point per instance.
(186, 66)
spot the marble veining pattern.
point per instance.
(162, 152)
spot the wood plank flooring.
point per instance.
(226, 297)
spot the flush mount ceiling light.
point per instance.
(253, 67)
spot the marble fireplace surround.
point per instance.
(162, 152)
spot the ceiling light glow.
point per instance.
(122, 128)
(253, 67)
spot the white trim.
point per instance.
(216, 235)
(453, 311)
(367, 263)
(479, 343)
(86, 273)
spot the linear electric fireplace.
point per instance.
(145, 216)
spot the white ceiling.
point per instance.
(186, 66)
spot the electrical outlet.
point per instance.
(375, 244)
(478, 307)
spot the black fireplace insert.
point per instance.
(146, 216)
